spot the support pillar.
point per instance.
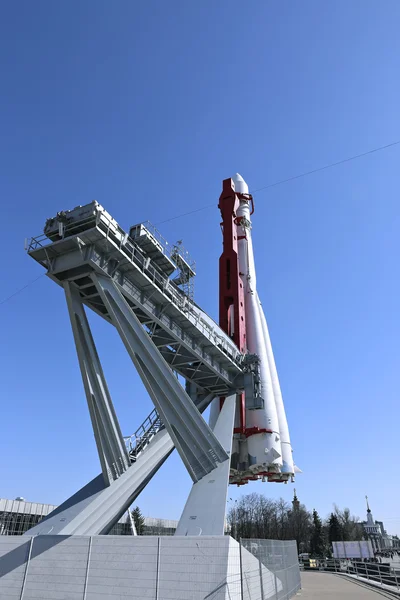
(205, 509)
(113, 455)
(197, 445)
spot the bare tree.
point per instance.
(299, 523)
(255, 516)
(350, 526)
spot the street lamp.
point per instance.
(234, 521)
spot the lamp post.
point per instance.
(234, 517)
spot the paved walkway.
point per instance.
(321, 586)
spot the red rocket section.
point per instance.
(231, 294)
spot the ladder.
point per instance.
(142, 437)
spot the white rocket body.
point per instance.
(265, 448)
(287, 453)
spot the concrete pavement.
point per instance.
(321, 586)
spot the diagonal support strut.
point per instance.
(204, 512)
(112, 451)
(196, 443)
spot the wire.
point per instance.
(299, 176)
(335, 164)
(191, 212)
(21, 289)
(266, 187)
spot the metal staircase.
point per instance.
(142, 437)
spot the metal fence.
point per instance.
(382, 574)
(260, 570)
(278, 567)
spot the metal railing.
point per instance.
(382, 574)
(137, 442)
(166, 246)
(135, 255)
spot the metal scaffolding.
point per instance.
(126, 279)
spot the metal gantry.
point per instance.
(128, 279)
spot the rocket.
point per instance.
(261, 447)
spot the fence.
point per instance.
(279, 572)
(157, 568)
(382, 574)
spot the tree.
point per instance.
(335, 533)
(317, 542)
(299, 526)
(255, 516)
(351, 528)
(138, 519)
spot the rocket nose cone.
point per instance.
(240, 184)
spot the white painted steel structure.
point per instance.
(17, 516)
(139, 285)
(101, 267)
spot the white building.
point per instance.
(376, 532)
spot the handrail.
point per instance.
(134, 253)
(166, 246)
(382, 574)
(139, 440)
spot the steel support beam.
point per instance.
(197, 445)
(204, 512)
(95, 508)
(111, 447)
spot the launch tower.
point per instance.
(143, 287)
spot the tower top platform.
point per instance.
(87, 239)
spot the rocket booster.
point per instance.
(261, 443)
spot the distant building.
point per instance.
(388, 541)
(376, 532)
(17, 516)
(295, 501)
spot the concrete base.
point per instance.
(121, 567)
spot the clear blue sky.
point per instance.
(146, 107)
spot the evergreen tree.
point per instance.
(138, 519)
(317, 543)
(335, 532)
